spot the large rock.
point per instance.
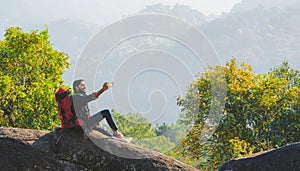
(286, 158)
(25, 149)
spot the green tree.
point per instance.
(134, 125)
(138, 127)
(160, 129)
(175, 132)
(261, 112)
(161, 144)
(30, 73)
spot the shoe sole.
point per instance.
(127, 140)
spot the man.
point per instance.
(80, 102)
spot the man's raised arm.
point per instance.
(105, 87)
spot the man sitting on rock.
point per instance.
(81, 99)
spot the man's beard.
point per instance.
(81, 91)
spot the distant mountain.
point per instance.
(248, 5)
(262, 33)
(183, 12)
(261, 37)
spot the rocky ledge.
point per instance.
(25, 149)
(286, 158)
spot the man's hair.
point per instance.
(76, 83)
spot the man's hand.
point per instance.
(107, 85)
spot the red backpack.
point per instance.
(66, 110)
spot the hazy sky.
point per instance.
(95, 11)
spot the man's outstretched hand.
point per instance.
(107, 85)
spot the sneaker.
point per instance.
(118, 135)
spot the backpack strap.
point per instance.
(72, 105)
(62, 112)
(74, 118)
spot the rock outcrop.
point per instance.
(286, 158)
(25, 149)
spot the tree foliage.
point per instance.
(138, 127)
(134, 125)
(261, 112)
(30, 73)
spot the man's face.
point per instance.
(81, 87)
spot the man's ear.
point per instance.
(76, 88)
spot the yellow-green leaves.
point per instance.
(262, 111)
(30, 72)
(240, 147)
